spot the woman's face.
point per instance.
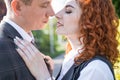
(68, 19)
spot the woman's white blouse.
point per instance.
(95, 70)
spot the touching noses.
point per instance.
(58, 15)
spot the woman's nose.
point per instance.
(58, 15)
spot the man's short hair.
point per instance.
(26, 2)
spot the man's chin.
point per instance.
(43, 26)
(40, 27)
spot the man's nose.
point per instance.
(51, 12)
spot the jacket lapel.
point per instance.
(9, 31)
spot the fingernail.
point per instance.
(45, 59)
(15, 40)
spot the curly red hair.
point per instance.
(98, 28)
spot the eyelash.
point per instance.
(68, 12)
(45, 5)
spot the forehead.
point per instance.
(68, 1)
(44, 1)
(71, 2)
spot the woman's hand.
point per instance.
(34, 59)
(50, 64)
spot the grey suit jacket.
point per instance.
(12, 67)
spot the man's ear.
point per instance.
(15, 4)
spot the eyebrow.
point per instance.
(69, 6)
(44, 2)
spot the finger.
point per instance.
(32, 49)
(21, 53)
(19, 44)
(26, 46)
(20, 40)
(48, 58)
(49, 63)
(23, 49)
(36, 51)
(30, 46)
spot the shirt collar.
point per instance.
(27, 36)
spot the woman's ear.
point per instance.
(15, 5)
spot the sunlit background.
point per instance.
(58, 5)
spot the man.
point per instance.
(22, 17)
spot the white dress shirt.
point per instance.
(26, 36)
(95, 70)
(67, 63)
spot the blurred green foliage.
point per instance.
(117, 6)
(42, 40)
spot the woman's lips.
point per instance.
(59, 24)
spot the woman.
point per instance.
(91, 29)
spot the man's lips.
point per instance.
(45, 21)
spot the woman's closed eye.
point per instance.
(68, 11)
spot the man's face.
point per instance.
(36, 15)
